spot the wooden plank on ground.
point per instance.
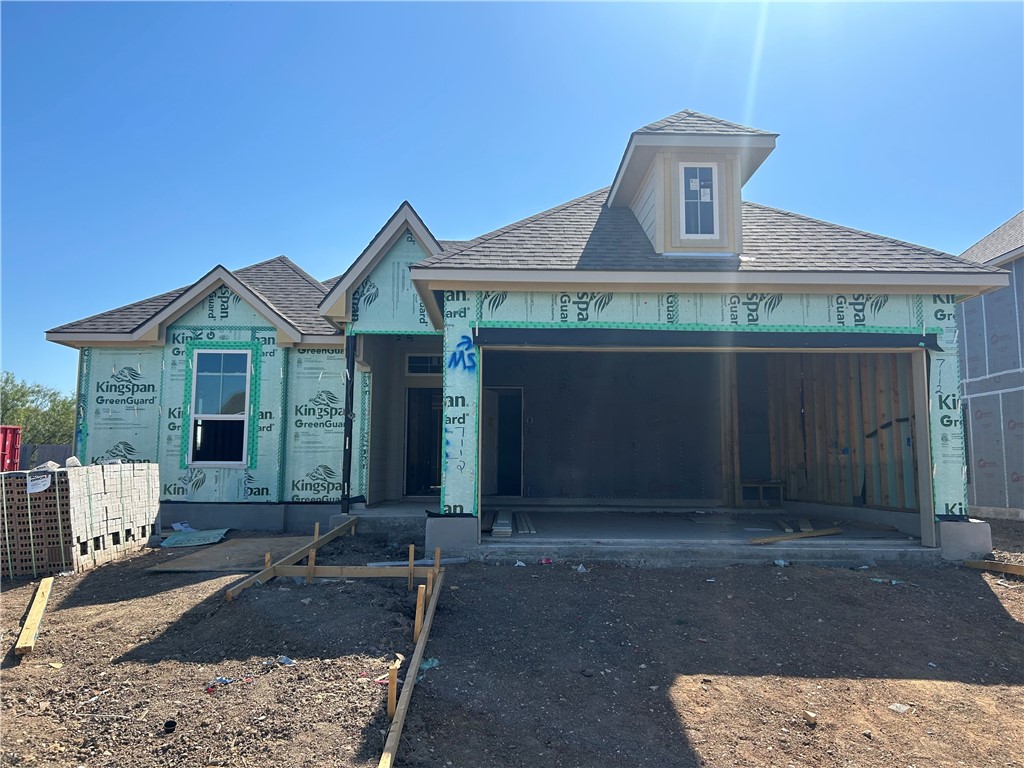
(993, 565)
(784, 525)
(387, 759)
(268, 573)
(805, 524)
(792, 536)
(29, 632)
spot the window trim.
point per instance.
(716, 194)
(244, 417)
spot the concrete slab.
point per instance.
(233, 555)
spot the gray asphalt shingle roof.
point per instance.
(1002, 240)
(695, 123)
(278, 281)
(584, 234)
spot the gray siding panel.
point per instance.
(1013, 425)
(1001, 321)
(987, 460)
(972, 344)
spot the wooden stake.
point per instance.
(420, 595)
(430, 584)
(311, 565)
(392, 690)
(266, 560)
(412, 563)
(437, 561)
(791, 536)
(27, 638)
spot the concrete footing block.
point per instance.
(452, 534)
(967, 540)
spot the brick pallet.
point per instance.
(85, 516)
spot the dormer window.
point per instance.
(699, 185)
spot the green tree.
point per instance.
(43, 413)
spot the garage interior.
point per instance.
(763, 435)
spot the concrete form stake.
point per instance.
(421, 591)
(412, 561)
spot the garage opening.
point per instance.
(668, 429)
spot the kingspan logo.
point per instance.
(672, 308)
(124, 451)
(124, 382)
(322, 480)
(580, 308)
(365, 295)
(251, 489)
(494, 299)
(751, 308)
(855, 308)
(191, 480)
(323, 405)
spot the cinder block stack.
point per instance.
(86, 516)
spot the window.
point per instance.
(220, 407)
(698, 183)
(422, 365)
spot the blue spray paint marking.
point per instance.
(463, 356)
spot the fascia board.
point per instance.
(336, 303)
(216, 277)
(689, 282)
(78, 340)
(1006, 258)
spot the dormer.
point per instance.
(682, 177)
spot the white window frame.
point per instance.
(423, 354)
(717, 235)
(220, 417)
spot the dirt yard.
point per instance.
(539, 666)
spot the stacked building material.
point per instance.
(76, 518)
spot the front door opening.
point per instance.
(423, 442)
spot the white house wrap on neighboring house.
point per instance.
(658, 341)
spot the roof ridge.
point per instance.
(872, 235)
(302, 273)
(678, 117)
(516, 224)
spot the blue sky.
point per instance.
(144, 143)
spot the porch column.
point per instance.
(922, 439)
(949, 471)
(459, 524)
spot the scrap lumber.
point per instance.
(268, 573)
(805, 524)
(395, 733)
(792, 536)
(29, 632)
(784, 525)
(996, 566)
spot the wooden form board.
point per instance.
(29, 632)
(394, 737)
(294, 557)
(992, 565)
(842, 428)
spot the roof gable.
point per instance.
(698, 124)
(337, 304)
(277, 289)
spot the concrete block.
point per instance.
(452, 534)
(969, 540)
